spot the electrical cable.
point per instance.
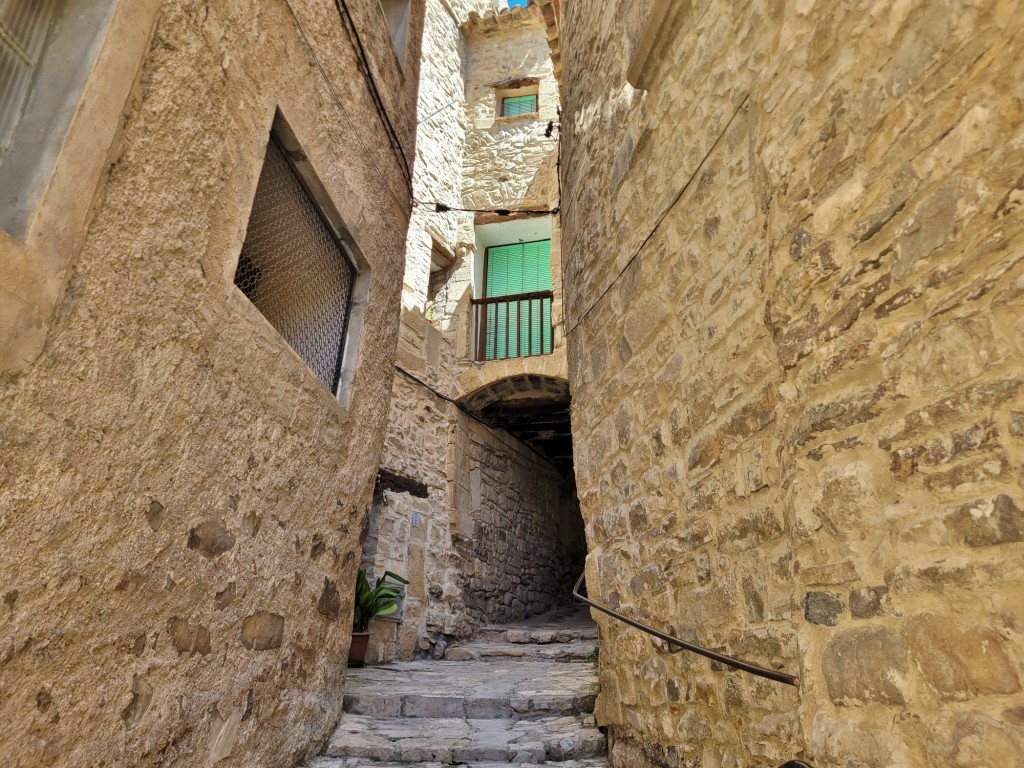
(435, 207)
(436, 112)
(338, 101)
(364, 65)
(661, 219)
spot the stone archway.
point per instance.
(534, 408)
(521, 537)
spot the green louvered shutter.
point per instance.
(523, 327)
(513, 106)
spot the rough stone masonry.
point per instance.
(181, 499)
(496, 533)
(795, 260)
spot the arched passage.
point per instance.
(521, 536)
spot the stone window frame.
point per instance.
(42, 224)
(442, 264)
(76, 33)
(519, 86)
(281, 130)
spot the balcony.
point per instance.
(513, 326)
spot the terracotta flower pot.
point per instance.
(357, 651)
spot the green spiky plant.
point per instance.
(376, 601)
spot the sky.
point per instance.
(517, 3)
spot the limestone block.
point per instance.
(961, 663)
(866, 665)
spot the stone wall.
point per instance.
(520, 536)
(509, 162)
(410, 533)
(180, 498)
(497, 535)
(440, 141)
(795, 268)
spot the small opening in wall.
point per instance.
(442, 264)
(397, 14)
(518, 99)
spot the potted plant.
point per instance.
(371, 602)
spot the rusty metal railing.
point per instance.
(513, 326)
(721, 658)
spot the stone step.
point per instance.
(354, 762)
(471, 689)
(457, 740)
(575, 650)
(481, 708)
(542, 636)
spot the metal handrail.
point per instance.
(753, 669)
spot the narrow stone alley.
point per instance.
(717, 307)
(519, 694)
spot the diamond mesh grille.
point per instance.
(23, 27)
(293, 269)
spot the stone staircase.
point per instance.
(518, 695)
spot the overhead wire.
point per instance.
(363, 61)
(339, 102)
(436, 112)
(661, 219)
(433, 206)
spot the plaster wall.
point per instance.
(180, 498)
(794, 258)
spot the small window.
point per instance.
(517, 97)
(294, 270)
(397, 14)
(512, 106)
(24, 25)
(442, 264)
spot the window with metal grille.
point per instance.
(23, 28)
(513, 106)
(294, 269)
